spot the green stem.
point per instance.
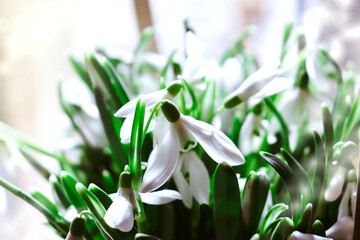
(33, 202)
(11, 133)
(285, 130)
(149, 120)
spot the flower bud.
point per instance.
(77, 229)
(170, 111)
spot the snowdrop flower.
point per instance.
(261, 84)
(150, 99)
(182, 134)
(198, 183)
(342, 230)
(120, 214)
(300, 108)
(251, 133)
(306, 236)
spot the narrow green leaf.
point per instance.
(328, 132)
(283, 229)
(35, 163)
(306, 221)
(318, 228)
(118, 84)
(271, 216)
(100, 194)
(227, 204)
(287, 175)
(136, 144)
(59, 191)
(300, 173)
(68, 183)
(194, 106)
(81, 71)
(284, 128)
(98, 210)
(207, 102)
(46, 202)
(287, 32)
(118, 155)
(101, 80)
(319, 175)
(146, 37)
(254, 197)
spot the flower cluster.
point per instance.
(203, 149)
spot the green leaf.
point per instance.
(146, 37)
(283, 229)
(287, 175)
(120, 87)
(118, 155)
(227, 204)
(328, 132)
(46, 202)
(254, 197)
(101, 80)
(300, 173)
(272, 216)
(98, 210)
(81, 71)
(284, 128)
(318, 229)
(352, 119)
(35, 163)
(59, 191)
(287, 32)
(68, 183)
(100, 194)
(319, 176)
(306, 221)
(207, 102)
(136, 144)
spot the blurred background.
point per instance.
(37, 37)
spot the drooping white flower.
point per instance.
(182, 134)
(263, 83)
(252, 131)
(120, 214)
(342, 230)
(198, 183)
(296, 235)
(150, 99)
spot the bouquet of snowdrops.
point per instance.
(203, 149)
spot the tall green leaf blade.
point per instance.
(227, 204)
(287, 175)
(271, 216)
(119, 157)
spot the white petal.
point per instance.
(199, 177)
(120, 215)
(216, 144)
(162, 162)
(256, 81)
(183, 187)
(305, 236)
(150, 100)
(336, 184)
(275, 86)
(160, 197)
(126, 128)
(186, 139)
(342, 229)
